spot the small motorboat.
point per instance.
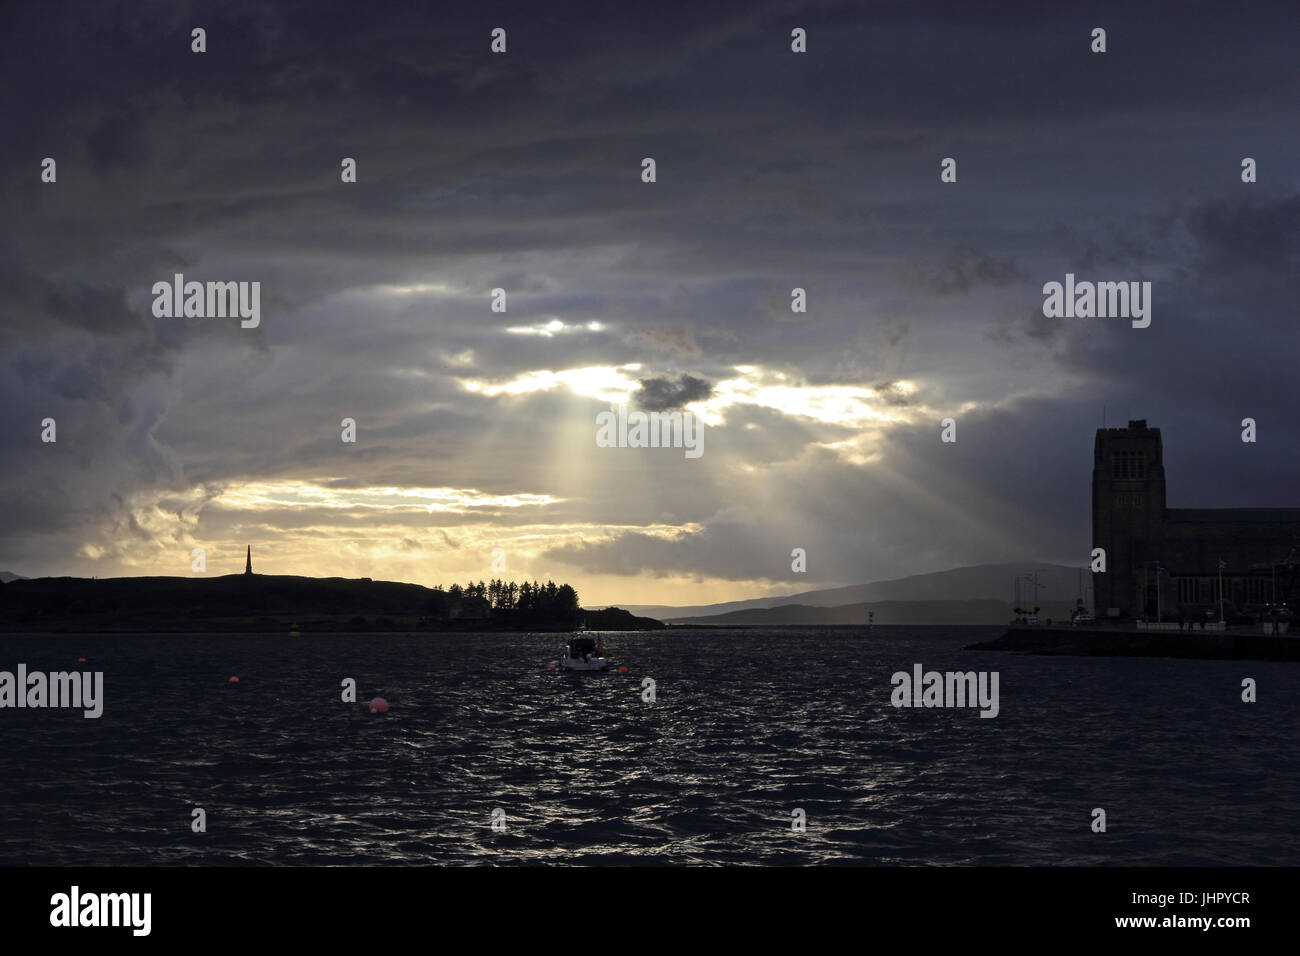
(584, 654)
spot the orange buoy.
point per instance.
(622, 670)
(81, 660)
(379, 706)
(233, 680)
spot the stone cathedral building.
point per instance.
(1259, 547)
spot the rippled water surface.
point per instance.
(746, 727)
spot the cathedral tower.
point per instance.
(1128, 512)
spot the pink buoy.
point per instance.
(379, 706)
(233, 680)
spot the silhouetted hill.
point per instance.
(887, 612)
(7, 576)
(980, 582)
(237, 602)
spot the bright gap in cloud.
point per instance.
(848, 406)
(265, 495)
(605, 383)
(554, 327)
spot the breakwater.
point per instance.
(1121, 642)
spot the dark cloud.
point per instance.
(894, 393)
(119, 141)
(1252, 234)
(659, 394)
(676, 339)
(962, 269)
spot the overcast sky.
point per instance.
(476, 430)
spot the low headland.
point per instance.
(260, 603)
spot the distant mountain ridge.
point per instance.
(1059, 584)
(885, 612)
(7, 576)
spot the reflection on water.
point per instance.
(746, 727)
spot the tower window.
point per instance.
(1128, 464)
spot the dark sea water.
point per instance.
(746, 727)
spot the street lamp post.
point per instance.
(1159, 571)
